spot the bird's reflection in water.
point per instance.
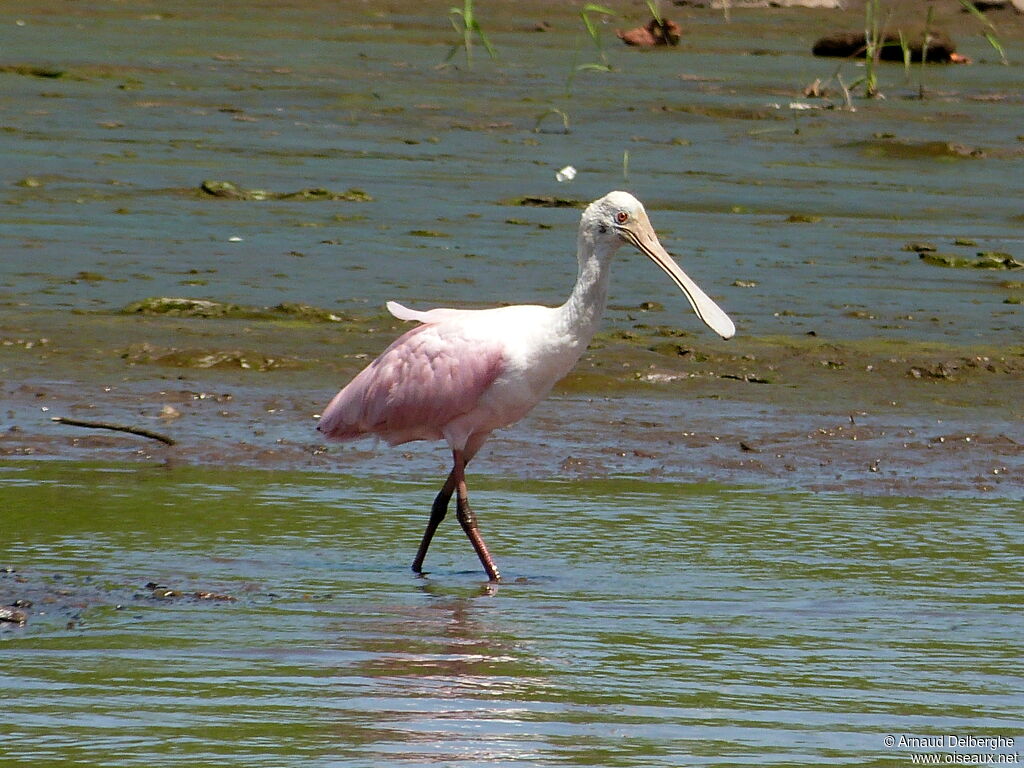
(444, 677)
(453, 637)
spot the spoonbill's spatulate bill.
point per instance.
(461, 374)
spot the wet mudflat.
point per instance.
(775, 550)
(289, 172)
(268, 618)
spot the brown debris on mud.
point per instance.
(656, 32)
(940, 47)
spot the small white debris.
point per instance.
(659, 378)
(169, 413)
(800, 105)
(234, 239)
(566, 174)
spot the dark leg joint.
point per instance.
(465, 514)
(438, 510)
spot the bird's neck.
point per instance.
(582, 311)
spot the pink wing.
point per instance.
(425, 379)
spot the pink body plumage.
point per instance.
(420, 387)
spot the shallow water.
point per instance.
(643, 623)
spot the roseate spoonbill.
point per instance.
(461, 374)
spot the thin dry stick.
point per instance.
(115, 427)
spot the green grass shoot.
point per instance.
(586, 13)
(872, 47)
(905, 50)
(652, 6)
(990, 29)
(465, 24)
(925, 43)
(538, 127)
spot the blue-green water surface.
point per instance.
(642, 623)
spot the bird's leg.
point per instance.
(467, 518)
(437, 512)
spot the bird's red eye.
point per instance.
(622, 217)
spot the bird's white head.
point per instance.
(619, 217)
(603, 219)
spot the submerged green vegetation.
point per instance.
(207, 308)
(232, 191)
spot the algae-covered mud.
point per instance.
(235, 384)
(318, 157)
(779, 549)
